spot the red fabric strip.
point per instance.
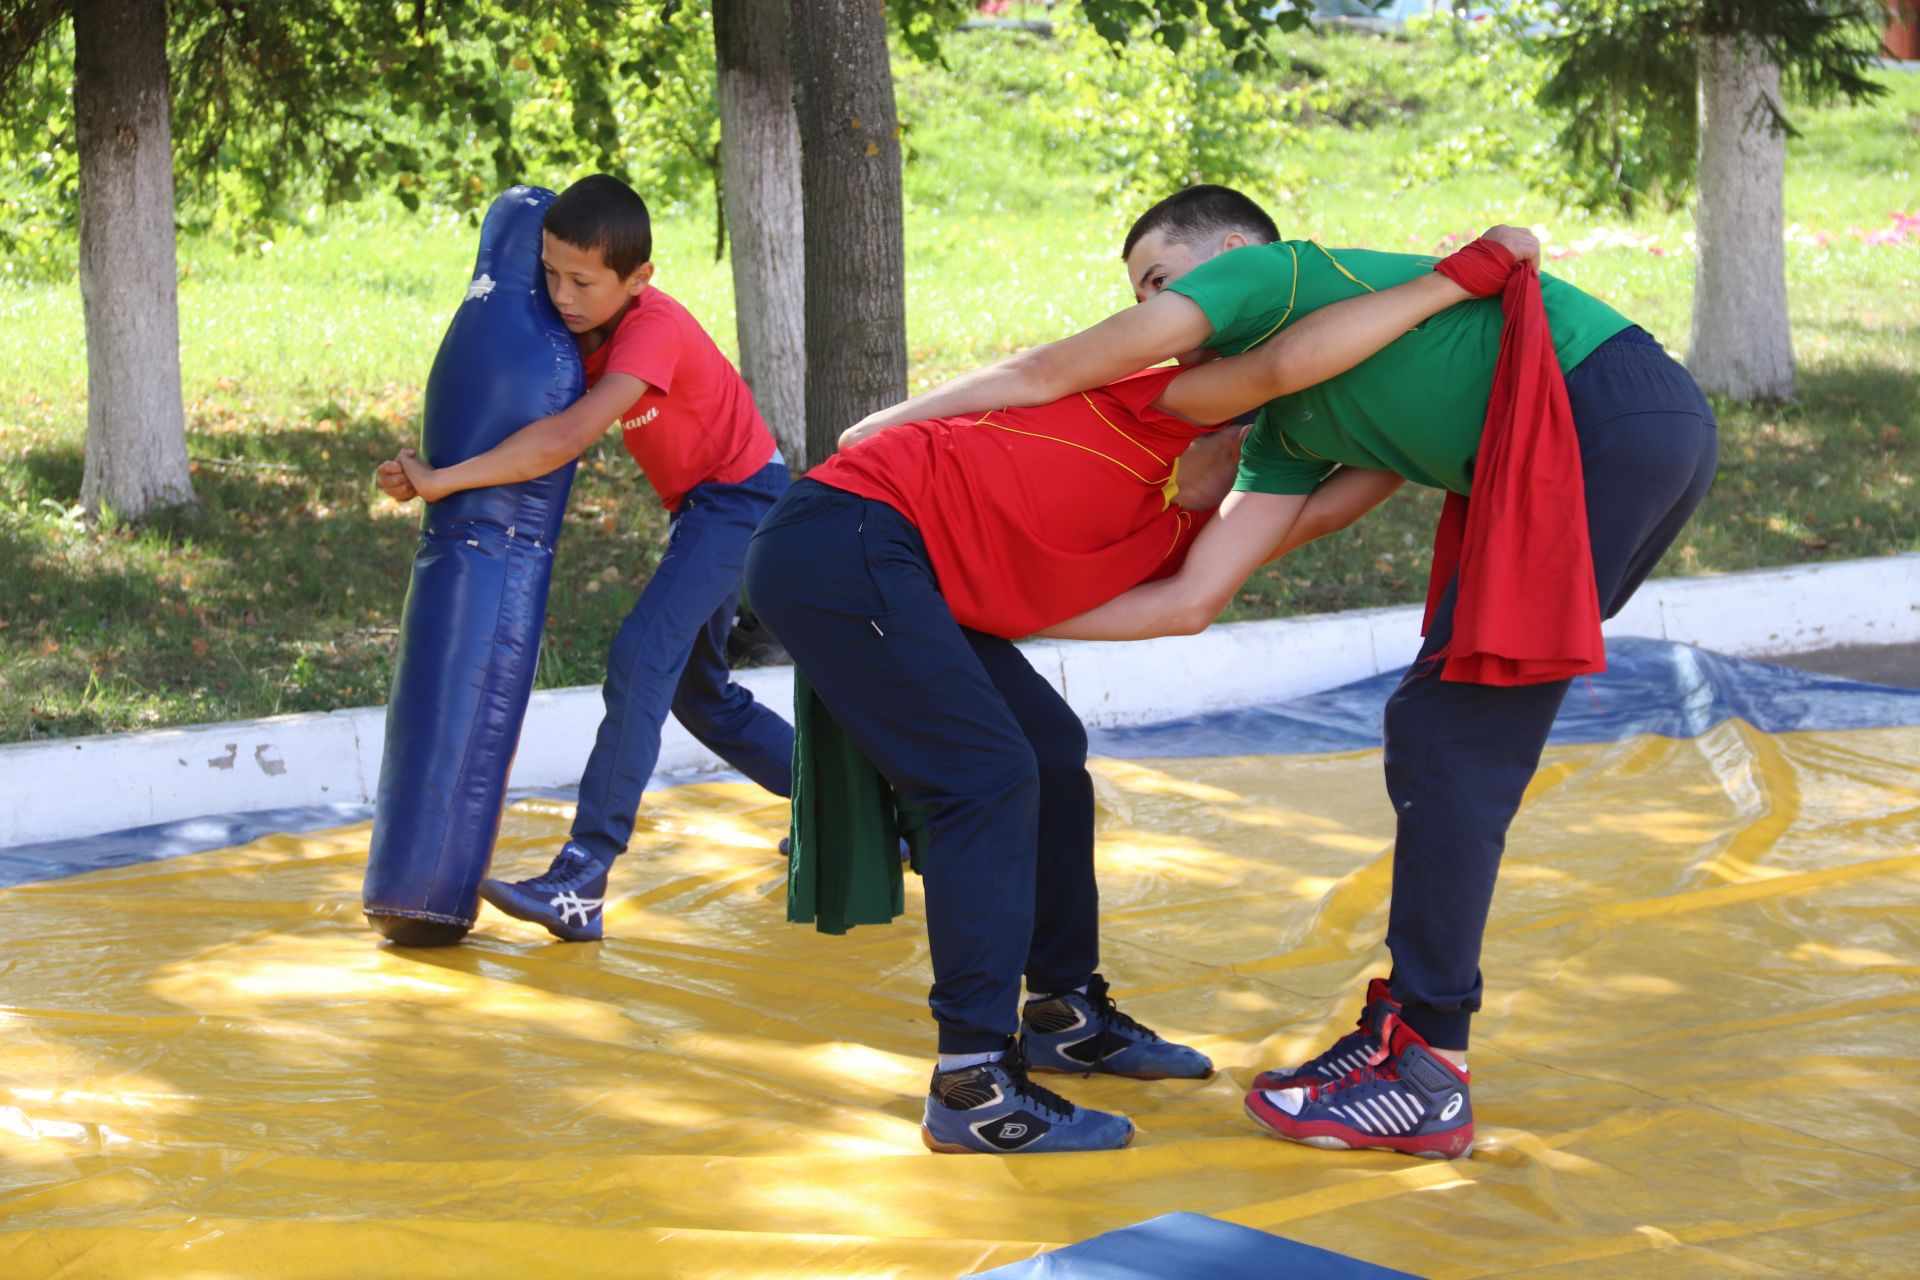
(1527, 610)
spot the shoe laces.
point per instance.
(567, 872)
(1014, 1063)
(1382, 1064)
(1100, 998)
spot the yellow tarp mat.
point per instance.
(1699, 1056)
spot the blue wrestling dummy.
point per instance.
(470, 634)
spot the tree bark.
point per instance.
(856, 334)
(760, 164)
(1741, 345)
(129, 286)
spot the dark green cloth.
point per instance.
(847, 827)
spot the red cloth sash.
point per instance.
(1527, 610)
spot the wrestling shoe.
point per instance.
(566, 898)
(1407, 1099)
(1350, 1052)
(1081, 1033)
(994, 1109)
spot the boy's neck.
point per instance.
(595, 338)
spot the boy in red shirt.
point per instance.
(899, 572)
(689, 420)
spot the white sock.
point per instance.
(956, 1061)
(1048, 995)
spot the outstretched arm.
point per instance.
(1232, 546)
(527, 454)
(1252, 529)
(1324, 343)
(1151, 333)
(1327, 342)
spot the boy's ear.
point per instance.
(1234, 240)
(637, 282)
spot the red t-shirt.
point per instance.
(696, 421)
(1032, 516)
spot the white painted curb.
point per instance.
(84, 786)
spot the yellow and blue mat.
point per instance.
(1699, 1055)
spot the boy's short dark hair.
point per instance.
(604, 213)
(1202, 212)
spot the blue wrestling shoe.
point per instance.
(1407, 1099)
(1084, 1033)
(994, 1109)
(567, 899)
(1349, 1053)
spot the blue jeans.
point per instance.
(671, 655)
(1459, 756)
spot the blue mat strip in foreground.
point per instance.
(1190, 1245)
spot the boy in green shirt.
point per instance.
(1212, 274)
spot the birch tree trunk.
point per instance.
(129, 287)
(850, 196)
(1740, 345)
(760, 161)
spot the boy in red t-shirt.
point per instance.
(689, 420)
(899, 572)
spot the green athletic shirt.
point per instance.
(1415, 407)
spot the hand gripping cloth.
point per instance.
(470, 633)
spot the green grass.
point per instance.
(303, 367)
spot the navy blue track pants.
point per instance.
(671, 655)
(1459, 756)
(959, 724)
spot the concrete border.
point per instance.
(85, 786)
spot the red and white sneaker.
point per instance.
(1407, 1099)
(1349, 1053)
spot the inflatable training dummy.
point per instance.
(470, 633)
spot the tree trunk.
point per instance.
(129, 287)
(850, 195)
(1741, 346)
(760, 163)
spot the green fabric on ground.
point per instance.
(847, 827)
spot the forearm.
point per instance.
(1322, 345)
(1340, 501)
(1126, 342)
(527, 454)
(1169, 607)
(1013, 381)
(1329, 341)
(1310, 527)
(1228, 548)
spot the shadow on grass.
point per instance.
(281, 593)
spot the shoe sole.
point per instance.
(955, 1149)
(1327, 1142)
(1037, 1069)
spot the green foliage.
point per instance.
(1238, 25)
(1486, 72)
(1170, 106)
(1623, 79)
(923, 25)
(39, 170)
(280, 110)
